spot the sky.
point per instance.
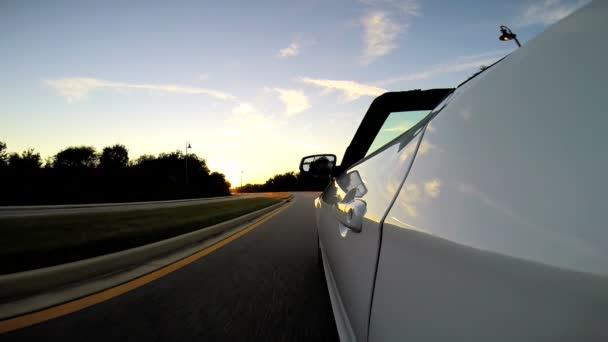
(253, 86)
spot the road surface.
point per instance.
(264, 286)
(45, 210)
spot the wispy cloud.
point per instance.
(380, 36)
(400, 128)
(547, 12)
(350, 89)
(485, 54)
(405, 7)
(290, 51)
(353, 90)
(75, 89)
(461, 64)
(383, 25)
(295, 101)
(433, 188)
(246, 115)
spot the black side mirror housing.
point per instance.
(318, 165)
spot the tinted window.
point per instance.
(396, 124)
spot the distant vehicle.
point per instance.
(480, 213)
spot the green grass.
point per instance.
(33, 242)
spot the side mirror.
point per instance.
(318, 165)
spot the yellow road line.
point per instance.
(79, 304)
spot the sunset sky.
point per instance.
(252, 85)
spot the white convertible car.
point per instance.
(478, 213)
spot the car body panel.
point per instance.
(432, 289)
(352, 256)
(499, 231)
(345, 330)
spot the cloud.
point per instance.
(471, 190)
(244, 114)
(290, 51)
(425, 147)
(398, 128)
(432, 188)
(380, 36)
(405, 7)
(462, 64)
(409, 198)
(76, 89)
(547, 12)
(485, 54)
(351, 89)
(383, 25)
(295, 101)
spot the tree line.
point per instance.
(79, 174)
(289, 181)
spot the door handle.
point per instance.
(351, 214)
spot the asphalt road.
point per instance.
(264, 286)
(45, 210)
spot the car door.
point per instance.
(351, 210)
(499, 231)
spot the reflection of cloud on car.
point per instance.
(512, 217)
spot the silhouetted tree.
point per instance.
(3, 155)
(283, 182)
(114, 157)
(174, 164)
(28, 160)
(144, 158)
(289, 181)
(71, 176)
(199, 164)
(48, 162)
(76, 157)
(218, 185)
(250, 188)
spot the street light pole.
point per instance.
(507, 34)
(187, 147)
(241, 179)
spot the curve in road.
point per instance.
(265, 285)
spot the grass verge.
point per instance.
(34, 242)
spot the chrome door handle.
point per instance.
(351, 214)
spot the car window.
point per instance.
(396, 124)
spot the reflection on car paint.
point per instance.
(352, 255)
(506, 174)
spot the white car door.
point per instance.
(350, 213)
(499, 231)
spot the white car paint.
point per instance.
(494, 228)
(352, 256)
